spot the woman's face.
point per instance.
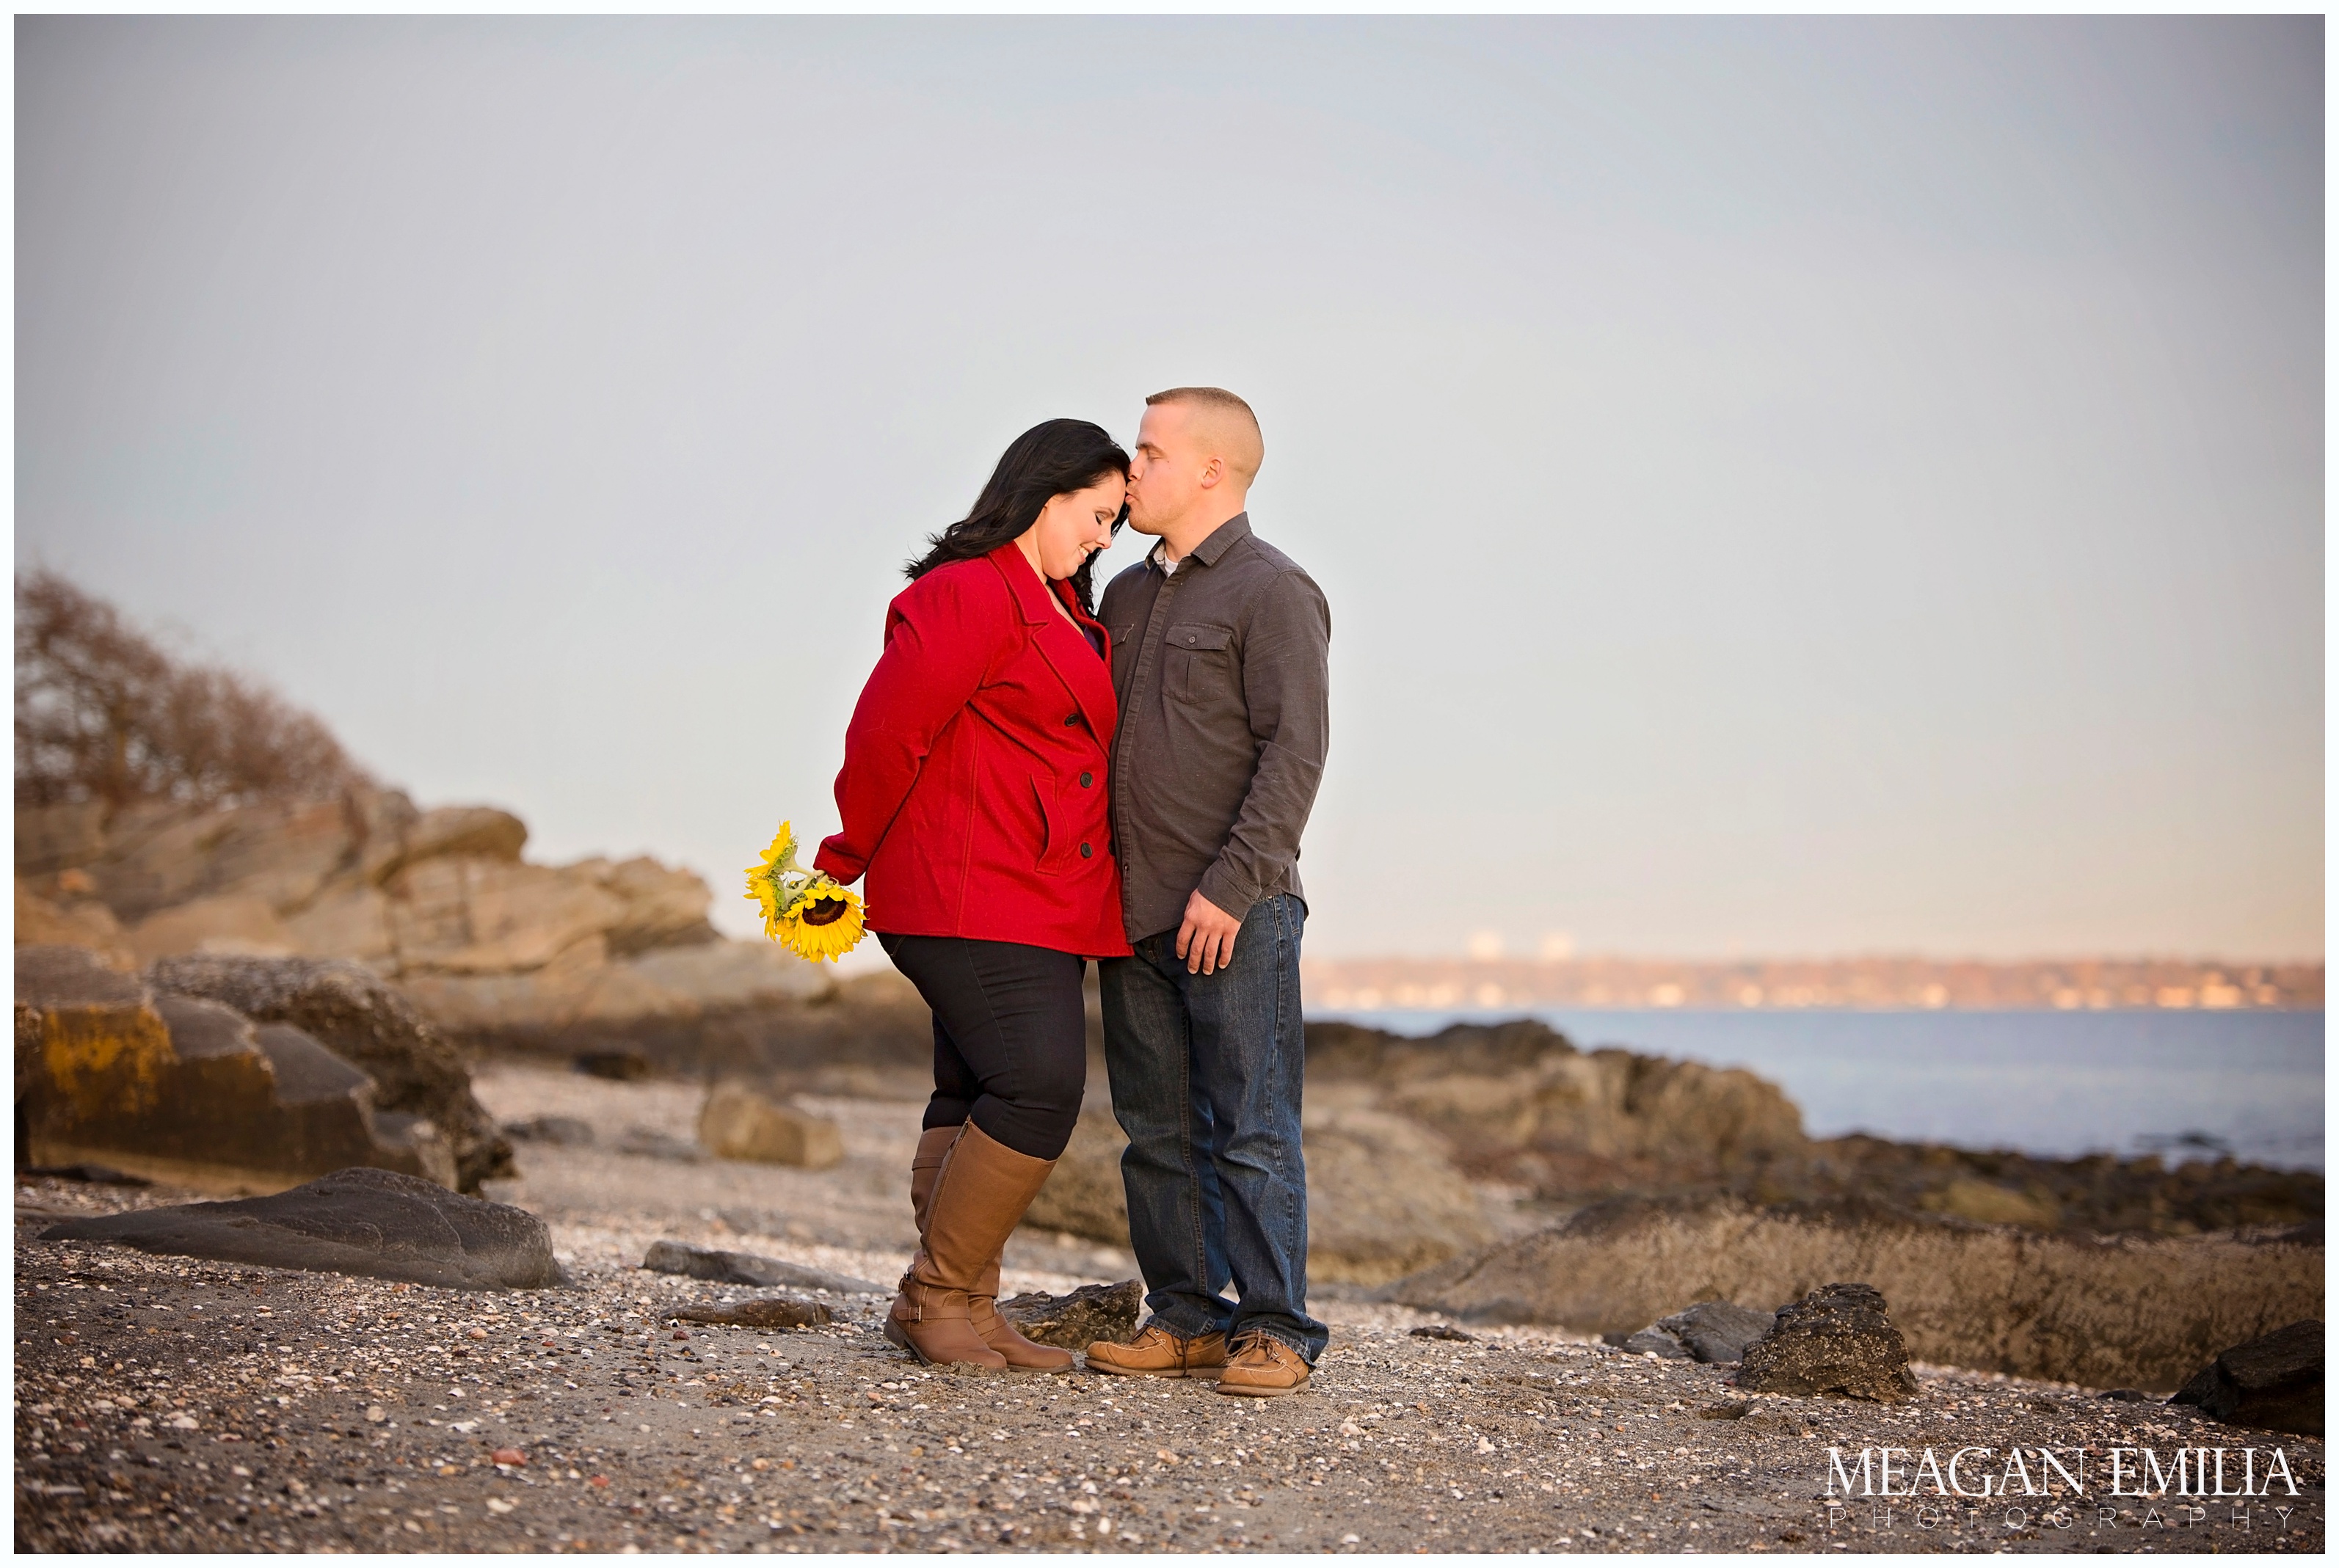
(1075, 525)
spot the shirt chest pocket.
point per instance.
(1201, 662)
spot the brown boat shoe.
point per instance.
(1157, 1353)
(1264, 1367)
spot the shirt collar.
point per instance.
(1224, 537)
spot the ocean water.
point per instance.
(2186, 1084)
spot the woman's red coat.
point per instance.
(973, 793)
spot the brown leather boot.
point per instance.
(1022, 1355)
(926, 1170)
(983, 1191)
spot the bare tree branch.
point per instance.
(104, 713)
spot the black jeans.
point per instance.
(1010, 1035)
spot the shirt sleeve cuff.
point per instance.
(1227, 889)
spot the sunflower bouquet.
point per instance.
(808, 910)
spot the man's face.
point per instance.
(1165, 473)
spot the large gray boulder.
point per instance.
(355, 1014)
(1519, 1098)
(163, 852)
(1384, 1199)
(178, 1089)
(401, 836)
(64, 920)
(374, 1223)
(2274, 1382)
(1836, 1340)
(440, 901)
(1084, 1194)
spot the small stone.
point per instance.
(1717, 1332)
(1076, 1321)
(1835, 1340)
(561, 1131)
(1654, 1342)
(649, 1143)
(508, 1456)
(739, 1124)
(764, 1312)
(750, 1269)
(1441, 1331)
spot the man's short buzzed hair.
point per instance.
(1230, 420)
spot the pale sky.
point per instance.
(1797, 488)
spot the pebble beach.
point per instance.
(170, 1404)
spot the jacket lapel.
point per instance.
(1085, 677)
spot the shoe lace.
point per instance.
(1258, 1342)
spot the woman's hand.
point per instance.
(1206, 940)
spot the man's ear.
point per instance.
(1212, 472)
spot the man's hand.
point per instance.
(1206, 940)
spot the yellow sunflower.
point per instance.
(806, 910)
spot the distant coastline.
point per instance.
(2181, 1084)
(1864, 984)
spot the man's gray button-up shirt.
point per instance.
(1221, 670)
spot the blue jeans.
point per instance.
(1206, 1072)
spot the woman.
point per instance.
(973, 798)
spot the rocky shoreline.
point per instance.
(1497, 1174)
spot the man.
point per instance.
(1219, 660)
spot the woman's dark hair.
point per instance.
(1045, 461)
